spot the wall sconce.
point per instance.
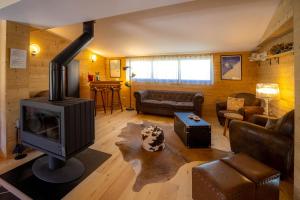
(34, 49)
(93, 58)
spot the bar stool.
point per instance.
(115, 89)
(102, 93)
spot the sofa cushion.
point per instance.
(184, 105)
(157, 103)
(179, 96)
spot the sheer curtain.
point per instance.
(194, 69)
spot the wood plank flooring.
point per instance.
(114, 179)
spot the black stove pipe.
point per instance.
(58, 64)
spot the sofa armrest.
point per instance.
(198, 100)
(139, 96)
(263, 144)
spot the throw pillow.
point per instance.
(235, 103)
(271, 124)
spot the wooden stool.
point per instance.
(102, 93)
(116, 89)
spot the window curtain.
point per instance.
(194, 69)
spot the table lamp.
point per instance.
(267, 91)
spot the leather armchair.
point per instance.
(273, 146)
(252, 106)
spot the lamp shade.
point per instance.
(267, 90)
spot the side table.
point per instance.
(230, 116)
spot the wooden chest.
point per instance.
(194, 134)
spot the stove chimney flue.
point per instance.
(58, 64)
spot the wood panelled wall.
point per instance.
(51, 45)
(22, 83)
(281, 73)
(220, 89)
(86, 66)
(297, 91)
(124, 90)
(2, 87)
(17, 82)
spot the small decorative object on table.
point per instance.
(97, 76)
(153, 138)
(90, 77)
(194, 117)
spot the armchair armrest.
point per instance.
(260, 120)
(221, 105)
(265, 145)
(198, 100)
(248, 111)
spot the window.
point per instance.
(142, 69)
(180, 69)
(195, 69)
(165, 70)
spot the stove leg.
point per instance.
(54, 163)
(53, 170)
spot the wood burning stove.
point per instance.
(60, 127)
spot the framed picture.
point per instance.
(18, 58)
(231, 67)
(115, 68)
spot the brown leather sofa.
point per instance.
(273, 145)
(252, 106)
(163, 102)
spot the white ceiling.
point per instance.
(5, 3)
(153, 27)
(192, 27)
(53, 13)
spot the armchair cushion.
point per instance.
(235, 103)
(271, 124)
(251, 106)
(248, 111)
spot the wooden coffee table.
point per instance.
(230, 116)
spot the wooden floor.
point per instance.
(114, 179)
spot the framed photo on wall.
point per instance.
(231, 67)
(115, 68)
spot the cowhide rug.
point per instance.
(153, 167)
